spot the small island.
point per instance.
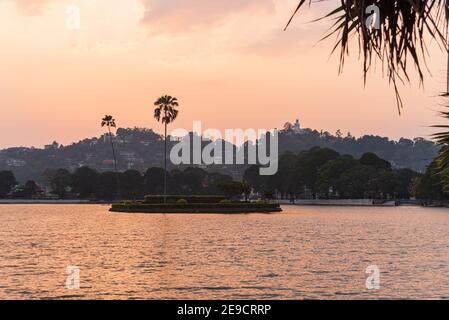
(194, 204)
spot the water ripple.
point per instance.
(303, 253)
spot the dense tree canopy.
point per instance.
(372, 160)
(7, 181)
(87, 183)
(430, 185)
(323, 173)
(59, 181)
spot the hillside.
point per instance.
(142, 148)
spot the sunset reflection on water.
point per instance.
(304, 252)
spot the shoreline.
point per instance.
(349, 203)
(343, 202)
(23, 201)
(298, 203)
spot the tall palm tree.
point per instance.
(109, 122)
(406, 27)
(166, 112)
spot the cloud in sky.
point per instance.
(31, 7)
(129, 51)
(174, 16)
(183, 15)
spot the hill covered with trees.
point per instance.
(139, 149)
(414, 154)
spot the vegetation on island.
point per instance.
(194, 204)
(185, 207)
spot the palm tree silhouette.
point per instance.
(405, 29)
(166, 112)
(109, 121)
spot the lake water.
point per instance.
(304, 252)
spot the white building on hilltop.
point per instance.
(297, 127)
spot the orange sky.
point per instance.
(228, 62)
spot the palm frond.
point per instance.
(157, 113)
(165, 110)
(108, 121)
(442, 160)
(406, 26)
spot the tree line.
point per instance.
(10, 187)
(324, 173)
(88, 183)
(316, 173)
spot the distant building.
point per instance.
(107, 165)
(52, 146)
(108, 162)
(122, 140)
(297, 127)
(137, 163)
(129, 156)
(15, 163)
(132, 161)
